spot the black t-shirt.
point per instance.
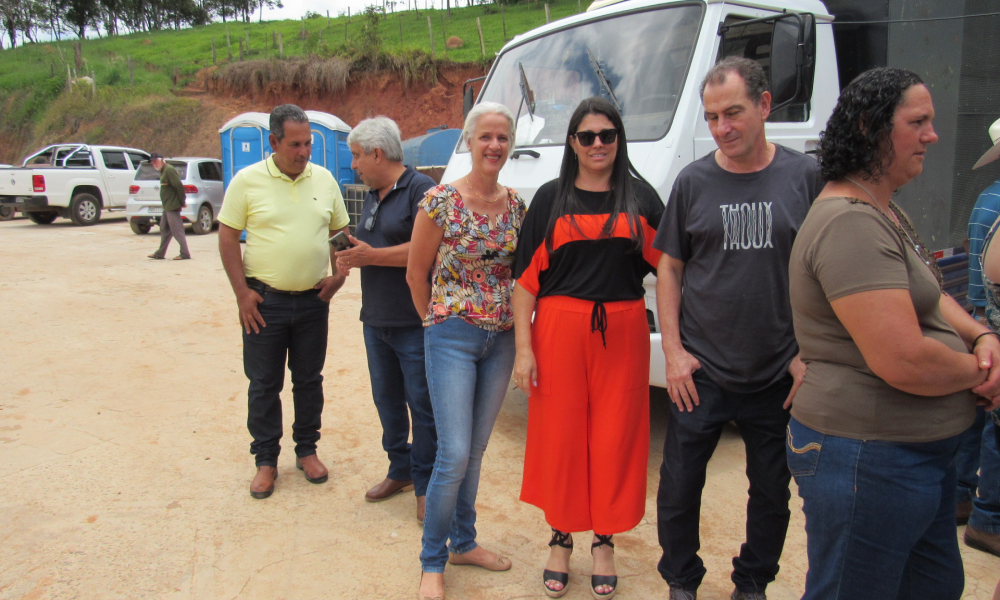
(582, 265)
(385, 296)
(734, 233)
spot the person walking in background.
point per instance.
(174, 198)
(289, 208)
(891, 359)
(722, 297)
(584, 249)
(980, 451)
(464, 239)
(394, 334)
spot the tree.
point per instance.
(80, 14)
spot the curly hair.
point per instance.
(856, 138)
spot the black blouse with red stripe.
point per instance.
(581, 264)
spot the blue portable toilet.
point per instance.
(431, 150)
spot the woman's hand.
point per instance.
(525, 370)
(987, 351)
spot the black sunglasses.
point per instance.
(586, 138)
(370, 222)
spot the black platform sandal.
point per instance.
(599, 580)
(558, 539)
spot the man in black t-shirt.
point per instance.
(394, 333)
(726, 237)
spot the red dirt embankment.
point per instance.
(415, 107)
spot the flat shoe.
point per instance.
(182, 258)
(320, 479)
(155, 257)
(500, 563)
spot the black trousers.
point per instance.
(691, 440)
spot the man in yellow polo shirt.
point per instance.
(283, 287)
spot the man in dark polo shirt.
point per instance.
(394, 336)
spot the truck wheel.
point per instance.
(85, 209)
(6, 213)
(139, 227)
(42, 218)
(203, 224)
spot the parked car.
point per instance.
(75, 181)
(202, 179)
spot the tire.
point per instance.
(203, 223)
(7, 213)
(140, 227)
(42, 218)
(85, 209)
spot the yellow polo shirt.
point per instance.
(288, 222)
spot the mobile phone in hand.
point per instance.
(341, 242)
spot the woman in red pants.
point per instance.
(583, 251)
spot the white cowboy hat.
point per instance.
(993, 153)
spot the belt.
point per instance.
(259, 286)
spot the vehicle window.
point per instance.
(137, 158)
(643, 71)
(209, 171)
(79, 159)
(45, 158)
(754, 42)
(216, 170)
(115, 159)
(146, 171)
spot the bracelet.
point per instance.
(984, 334)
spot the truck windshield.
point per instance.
(636, 60)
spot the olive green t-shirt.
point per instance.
(846, 247)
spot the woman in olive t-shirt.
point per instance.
(890, 360)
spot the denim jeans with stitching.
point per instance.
(880, 516)
(967, 459)
(468, 373)
(986, 504)
(296, 331)
(399, 389)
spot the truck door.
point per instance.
(793, 126)
(117, 177)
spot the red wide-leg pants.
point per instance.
(587, 450)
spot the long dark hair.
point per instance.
(622, 182)
(857, 136)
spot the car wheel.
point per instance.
(85, 209)
(203, 224)
(6, 213)
(42, 218)
(140, 227)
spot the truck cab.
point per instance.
(648, 57)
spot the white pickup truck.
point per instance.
(74, 181)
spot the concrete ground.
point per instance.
(126, 465)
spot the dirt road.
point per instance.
(126, 466)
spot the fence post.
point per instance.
(77, 55)
(241, 49)
(93, 83)
(546, 12)
(328, 19)
(503, 18)
(175, 77)
(213, 51)
(430, 30)
(400, 19)
(229, 45)
(444, 34)
(281, 47)
(131, 74)
(579, 9)
(482, 44)
(348, 14)
(69, 79)
(247, 32)
(345, 30)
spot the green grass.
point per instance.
(156, 54)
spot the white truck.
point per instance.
(649, 56)
(74, 181)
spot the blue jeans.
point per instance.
(296, 330)
(880, 516)
(967, 459)
(468, 372)
(986, 505)
(396, 367)
(690, 442)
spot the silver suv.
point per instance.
(202, 179)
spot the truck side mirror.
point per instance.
(468, 99)
(793, 60)
(790, 56)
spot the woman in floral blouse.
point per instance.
(459, 272)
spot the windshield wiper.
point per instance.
(596, 67)
(525, 93)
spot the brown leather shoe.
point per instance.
(386, 489)
(421, 508)
(314, 470)
(262, 485)
(981, 540)
(963, 510)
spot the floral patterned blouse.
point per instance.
(472, 278)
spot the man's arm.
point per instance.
(329, 285)
(363, 255)
(232, 262)
(680, 363)
(175, 182)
